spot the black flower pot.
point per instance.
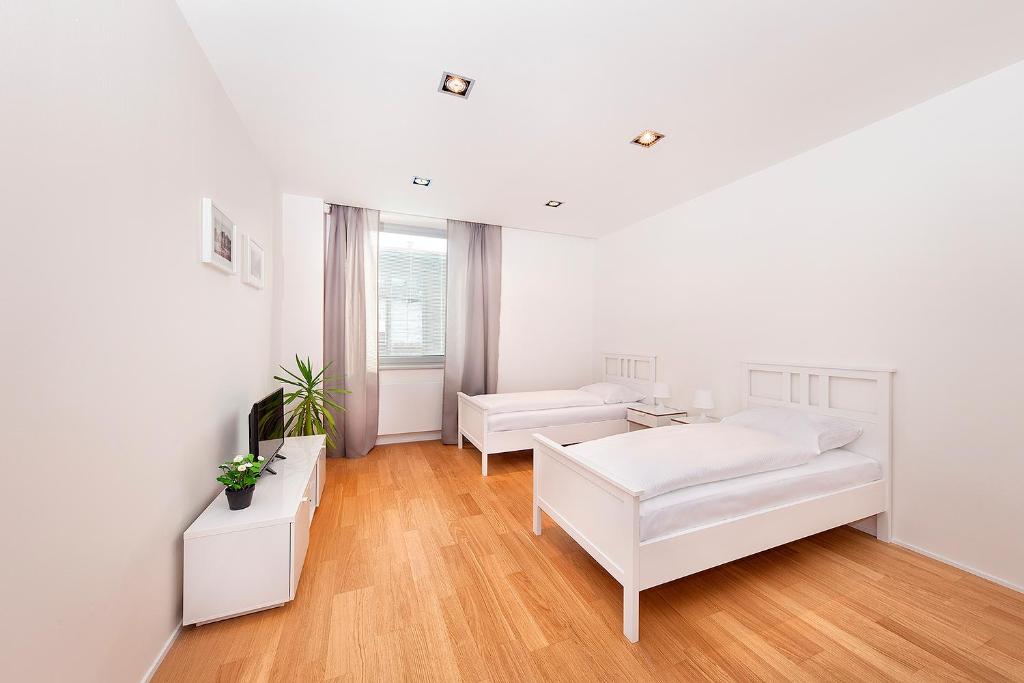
(240, 499)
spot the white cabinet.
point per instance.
(210, 595)
(240, 561)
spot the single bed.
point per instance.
(500, 423)
(645, 530)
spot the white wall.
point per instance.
(547, 311)
(128, 364)
(410, 402)
(899, 245)
(302, 279)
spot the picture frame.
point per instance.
(219, 243)
(254, 263)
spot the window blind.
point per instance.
(411, 294)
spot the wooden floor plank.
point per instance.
(419, 569)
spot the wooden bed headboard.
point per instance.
(638, 371)
(861, 395)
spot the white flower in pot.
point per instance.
(239, 478)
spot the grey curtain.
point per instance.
(350, 326)
(473, 301)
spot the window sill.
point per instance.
(413, 366)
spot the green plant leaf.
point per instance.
(289, 382)
(303, 370)
(301, 382)
(334, 405)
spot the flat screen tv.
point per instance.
(266, 426)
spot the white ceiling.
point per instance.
(341, 95)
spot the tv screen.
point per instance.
(266, 426)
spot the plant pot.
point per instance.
(240, 499)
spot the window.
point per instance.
(411, 294)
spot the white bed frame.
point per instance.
(603, 516)
(632, 370)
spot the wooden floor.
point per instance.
(419, 569)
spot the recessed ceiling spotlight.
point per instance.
(647, 138)
(453, 84)
(416, 180)
(553, 204)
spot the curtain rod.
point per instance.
(328, 205)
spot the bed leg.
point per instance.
(483, 463)
(536, 518)
(631, 613)
(460, 439)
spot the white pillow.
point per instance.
(820, 432)
(610, 392)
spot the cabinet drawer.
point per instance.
(300, 542)
(321, 474)
(641, 418)
(309, 496)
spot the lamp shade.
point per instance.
(661, 390)
(703, 399)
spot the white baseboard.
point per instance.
(163, 653)
(959, 565)
(386, 439)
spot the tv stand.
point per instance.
(241, 561)
(275, 456)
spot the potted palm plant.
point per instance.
(239, 478)
(311, 398)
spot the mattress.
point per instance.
(521, 401)
(695, 506)
(534, 419)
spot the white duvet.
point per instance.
(536, 400)
(656, 461)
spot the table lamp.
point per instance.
(703, 401)
(660, 391)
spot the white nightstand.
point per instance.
(643, 416)
(693, 420)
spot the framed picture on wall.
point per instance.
(253, 263)
(219, 247)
